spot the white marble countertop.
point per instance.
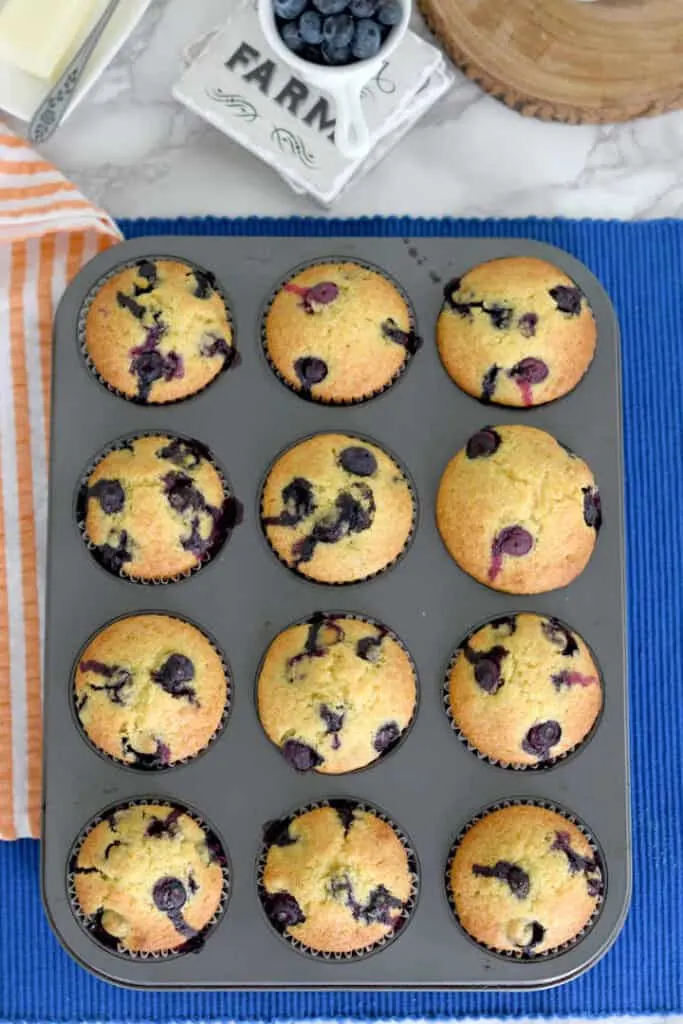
(133, 149)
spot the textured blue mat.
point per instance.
(641, 265)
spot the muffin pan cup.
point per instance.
(131, 766)
(431, 783)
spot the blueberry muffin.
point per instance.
(523, 690)
(518, 511)
(516, 331)
(339, 332)
(149, 879)
(337, 509)
(336, 693)
(150, 690)
(155, 507)
(524, 880)
(337, 878)
(158, 331)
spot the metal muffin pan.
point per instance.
(432, 785)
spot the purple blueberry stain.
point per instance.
(410, 340)
(205, 283)
(130, 305)
(283, 911)
(527, 324)
(558, 634)
(111, 846)
(567, 299)
(276, 833)
(159, 758)
(487, 666)
(169, 894)
(541, 737)
(500, 316)
(301, 756)
(568, 679)
(590, 867)
(592, 507)
(354, 512)
(114, 557)
(505, 622)
(368, 648)
(386, 737)
(185, 454)
(212, 345)
(174, 677)
(322, 294)
(482, 444)
(536, 937)
(334, 721)
(512, 874)
(148, 272)
(380, 906)
(346, 812)
(117, 679)
(488, 385)
(164, 827)
(110, 495)
(181, 492)
(526, 373)
(514, 541)
(298, 501)
(358, 460)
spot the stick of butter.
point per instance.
(38, 35)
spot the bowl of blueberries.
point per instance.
(337, 45)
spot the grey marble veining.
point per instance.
(135, 151)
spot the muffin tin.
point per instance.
(431, 783)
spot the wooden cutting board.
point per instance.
(563, 60)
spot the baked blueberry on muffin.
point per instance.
(336, 878)
(519, 511)
(523, 690)
(156, 507)
(336, 693)
(158, 331)
(149, 879)
(339, 332)
(516, 331)
(337, 509)
(150, 690)
(524, 880)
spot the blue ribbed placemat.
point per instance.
(641, 265)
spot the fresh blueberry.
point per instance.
(205, 282)
(541, 737)
(133, 307)
(410, 340)
(484, 443)
(289, 9)
(110, 495)
(558, 634)
(530, 370)
(592, 507)
(367, 39)
(330, 6)
(310, 370)
(359, 461)
(311, 28)
(488, 384)
(174, 675)
(386, 737)
(516, 877)
(389, 12)
(169, 895)
(527, 324)
(338, 31)
(292, 37)
(336, 56)
(301, 756)
(567, 299)
(283, 910)
(363, 8)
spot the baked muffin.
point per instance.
(524, 880)
(518, 511)
(523, 690)
(339, 332)
(336, 693)
(150, 690)
(155, 507)
(337, 509)
(149, 879)
(337, 878)
(158, 331)
(516, 331)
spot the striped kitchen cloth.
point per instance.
(48, 230)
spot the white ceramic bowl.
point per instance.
(342, 84)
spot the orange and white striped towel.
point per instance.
(48, 230)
